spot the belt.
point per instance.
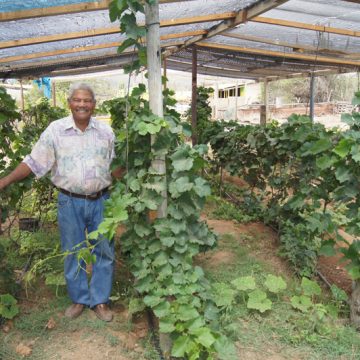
(94, 196)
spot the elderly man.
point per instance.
(78, 151)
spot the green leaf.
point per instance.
(275, 284)
(167, 241)
(319, 146)
(244, 283)
(338, 294)
(310, 287)
(325, 162)
(180, 186)
(204, 336)
(181, 160)
(166, 325)
(177, 226)
(223, 294)
(136, 305)
(162, 310)
(142, 230)
(152, 301)
(160, 259)
(113, 11)
(194, 324)
(354, 272)
(343, 174)
(258, 301)
(343, 147)
(225, 349)
(355, 153)
(180, 346)
(8, 306)
(202, 188)
(327, 248)
(125, 44)
(302, 303)
(187, 312)
(55, 279)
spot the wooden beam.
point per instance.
(112, 30)
(305, 74)
(300, 25)
(61, 10)
(91, 47)
(194, 138)
(295, 47)
(313, 58)
(242, 16)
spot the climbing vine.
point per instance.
(160, 251)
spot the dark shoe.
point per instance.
(103, 312)
(74, 310)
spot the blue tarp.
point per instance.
(16, 5)
(44, 82)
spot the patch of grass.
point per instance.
(219, 208)
(150, 353)
(112, 340)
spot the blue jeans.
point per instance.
(75, 217)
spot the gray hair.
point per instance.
(81, 86)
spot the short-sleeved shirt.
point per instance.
(79, 161)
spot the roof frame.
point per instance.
(112, 30)
(63, 9)
(242, 16)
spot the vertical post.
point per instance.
(22, 95)
(312, 96)
(194, 97)
(154, 80)
(264, 110)
(165, 75)
(156, 106)
(216, 100)
(1, 221)
(236, 98)
(53, 91)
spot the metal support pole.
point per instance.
(236, 99)
(264, 109)
(22, 96)
(312, 96)
(53, 91)
(194, 97)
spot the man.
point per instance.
(78, 151)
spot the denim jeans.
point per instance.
(75, 217)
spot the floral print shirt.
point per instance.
(79, 161)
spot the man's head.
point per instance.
(81, 102)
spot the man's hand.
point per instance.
(19, 173)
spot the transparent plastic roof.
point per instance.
(253, 39)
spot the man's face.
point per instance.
(82, 105)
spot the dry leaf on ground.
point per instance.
(23, 350)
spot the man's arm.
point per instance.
(19, 173)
